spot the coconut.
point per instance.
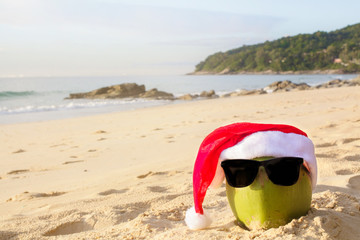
(264, 205)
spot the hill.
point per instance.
(336, 51)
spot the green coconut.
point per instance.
(264, 205)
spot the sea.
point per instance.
(33, 99)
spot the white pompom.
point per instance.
(196, 221)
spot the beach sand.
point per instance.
(128, 175)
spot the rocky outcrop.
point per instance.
(209, 94)
(156, 94)
(133, 90)
(250, 92)
(188, 97)
(356, 80)
(281, 86)
(125, 90)
(203, 94)
(340, 83)
(285, 86)
(245, 93)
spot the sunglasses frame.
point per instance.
(250, 170)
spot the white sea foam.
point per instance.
(75, 104)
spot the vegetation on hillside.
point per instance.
(338, 50)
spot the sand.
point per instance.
(128, 175)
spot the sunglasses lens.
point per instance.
(284, 171)
(240, 173)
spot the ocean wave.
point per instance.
(12, 94)
(9, 95)
(76, 104)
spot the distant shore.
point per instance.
(270, 72)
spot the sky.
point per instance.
(148, 37)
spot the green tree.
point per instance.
(301, 52)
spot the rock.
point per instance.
(187, 97)
(337, 83)
(226, 95)
(203, 94)
(245, 92)
(156, 94)
(356, 81)
(251, 92)
(125, 90)
(209, 94)
(284, 86)
(225, 71)
(302, 86)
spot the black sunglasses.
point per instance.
(282, 171)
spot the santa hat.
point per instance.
(243, 141)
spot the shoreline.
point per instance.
(49, 103)
(275, 87)
(43, 116)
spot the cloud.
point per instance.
(132, 20)
(166, 21)
(66, 36)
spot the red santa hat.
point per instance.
(243, 141)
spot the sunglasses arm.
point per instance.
(306, 165)
(218, 178)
